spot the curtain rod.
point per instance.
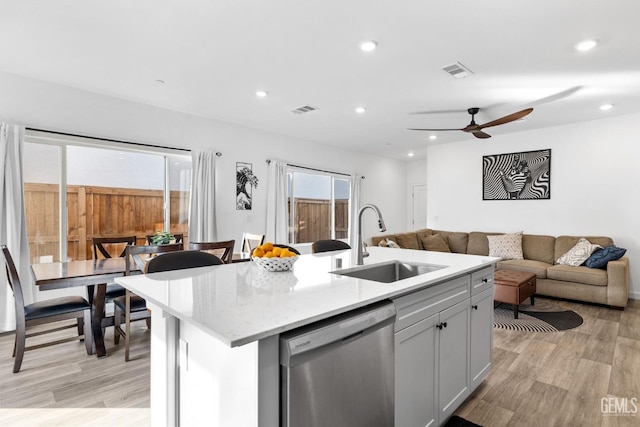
(314, 169)
(115, 140)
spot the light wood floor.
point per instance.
(537, 379)
(560, 378)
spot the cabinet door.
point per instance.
(416, 379)
(453, 358)
(481, 336)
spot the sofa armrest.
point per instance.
(618, 282)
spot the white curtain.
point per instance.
(202, 212)
(277, 203)
(354, 207)
(13, 229)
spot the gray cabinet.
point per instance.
(443, 340)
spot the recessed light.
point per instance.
(410, 154)
(369, 45)
(433, 137)
(586, 45)
(360, 110)
(606, 107)
(262, 93)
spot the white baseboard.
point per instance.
(634, 295)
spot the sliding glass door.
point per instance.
(109, 192)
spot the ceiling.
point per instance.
(214, 55)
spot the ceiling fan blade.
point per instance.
(480, 134)
(507, 119)
(434, 130)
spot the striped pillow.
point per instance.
(578, 254)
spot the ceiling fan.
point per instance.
(476, 129)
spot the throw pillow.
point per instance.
(506, 246)
(383, 243)
(578, 254)
(392, 244)
(600, 257)
(435, 242)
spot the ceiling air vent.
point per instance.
(457, 70)
(304, 109)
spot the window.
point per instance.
(111, 190)
(318, 204)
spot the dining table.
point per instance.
(95, 275)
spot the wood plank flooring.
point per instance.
(537, 379)
(560, 378)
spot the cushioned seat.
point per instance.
(538, 268)
(54, 307)
(590, 276)
(137, 303)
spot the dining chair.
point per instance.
(179, 237)
(251, 241)
(43, 312)
(169, 257)
(107, 247)
(328, 245)
(225, 246)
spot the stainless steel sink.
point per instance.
(389, 272)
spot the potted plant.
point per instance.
(162, 238)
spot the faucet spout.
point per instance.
(381, 225)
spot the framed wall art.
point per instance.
(517, 176)
(246, 181)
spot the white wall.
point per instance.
(48, 106)
(594, 185)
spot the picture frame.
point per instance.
(517, 176)
(245, 182)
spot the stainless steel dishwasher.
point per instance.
(340, 372)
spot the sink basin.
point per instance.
(389, 272)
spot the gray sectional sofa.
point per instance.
(540, 252)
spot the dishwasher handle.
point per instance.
(342, 328)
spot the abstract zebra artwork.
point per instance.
(245, 182)
(517, 176)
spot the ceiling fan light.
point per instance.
(586, 45)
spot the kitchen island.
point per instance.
(214, 342)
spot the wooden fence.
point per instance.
(96, 212)
(313, 219)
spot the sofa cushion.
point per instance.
(538, 247)
(422, 233)
(586, 275)
(408, 240)
(577, 254)
(506, 246)
(538, 268)
(435, 243)
(457, 240)
(478, 244)
(601, 257)
(564, 243)
(375, 240)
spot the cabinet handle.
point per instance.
(439, 326)
(444, 324)
(475, 307)
(485, 280)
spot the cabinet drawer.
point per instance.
(419, 305)
(482, 280)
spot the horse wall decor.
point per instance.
(245, 182)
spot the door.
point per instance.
(481, 335)
(416, 380)
(453, 358)
(419, 206)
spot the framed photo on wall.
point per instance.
(517, 176)
(245, 182)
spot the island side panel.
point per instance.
(164, 368)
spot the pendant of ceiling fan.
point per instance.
(476, 129)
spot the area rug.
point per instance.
(544, 316)
(456, 421)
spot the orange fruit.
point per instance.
(258, 252)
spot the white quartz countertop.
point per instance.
(240, 303)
